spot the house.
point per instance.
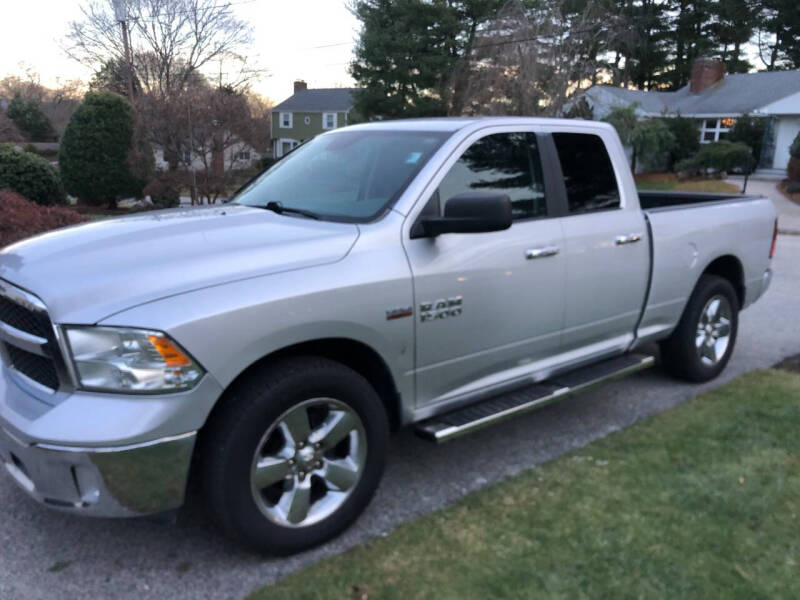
(716, 100)
(307, 113)
(238, 155)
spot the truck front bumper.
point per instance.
(98, 454)
(125, 481)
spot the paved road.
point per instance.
(51, 556)
(788, 211)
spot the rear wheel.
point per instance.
(295, 454)
(702, 343)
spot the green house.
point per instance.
(308, 113)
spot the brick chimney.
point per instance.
(300, 85)
(705, 73)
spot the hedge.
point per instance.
(21, 218)
(30, 175)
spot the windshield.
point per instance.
(344, 176)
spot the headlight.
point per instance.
(130, 360)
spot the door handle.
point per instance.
(627, 239)
(542, 252)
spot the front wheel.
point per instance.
(295, 454)
(703, 341)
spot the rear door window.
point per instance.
(588, 173)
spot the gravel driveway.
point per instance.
(48, 555)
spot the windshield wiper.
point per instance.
(279, 208)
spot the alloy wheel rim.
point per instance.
(308, 462)
(714, 330)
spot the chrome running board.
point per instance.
(476, 416)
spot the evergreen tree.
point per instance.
(95, 149)
(29, 118)
(414, 56)
(733, 28)
(778, 25)
(640, 54)
(690, 38)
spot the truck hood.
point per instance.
(88, 272)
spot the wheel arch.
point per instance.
(728, 267)
(357, 355)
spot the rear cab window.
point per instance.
(589, 178)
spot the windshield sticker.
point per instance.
(413, 158)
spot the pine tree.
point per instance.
(733, 28)
(778, 25)
(690, 38)
(414, 56)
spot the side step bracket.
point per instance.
(476, 416)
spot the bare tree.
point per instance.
(531, 59)
(258, 132)
(172, 43)
(171, 40)
(221, 123)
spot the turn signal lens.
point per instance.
(169, 352)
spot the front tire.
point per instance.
(702, 343)
(294, 455)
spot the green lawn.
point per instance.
(668, 181)
(700, 502)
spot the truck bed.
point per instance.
(657, 199)
(689, 231)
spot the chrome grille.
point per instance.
(28, 343)
(38, 368)
(24, 319)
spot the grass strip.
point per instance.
(698, 502)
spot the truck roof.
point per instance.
(456, 123)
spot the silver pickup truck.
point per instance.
(442, 274)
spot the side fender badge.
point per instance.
(399, 313)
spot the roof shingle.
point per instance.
(318, 100)
(737, 93)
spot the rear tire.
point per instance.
(294, 455)
(702, 343)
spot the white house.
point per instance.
(237, 156)
(717, 99)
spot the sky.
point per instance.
(293, 39)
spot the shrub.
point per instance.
(29, 118)
(687, 138)
(623, 119)
(267, 161)
(794, 149)
(165, 189)
(750, 131)
(95, 149)
(30, 175)
(651, 140)
(719, 156)
(21, 218)
(793, 170)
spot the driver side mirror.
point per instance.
(470, 212)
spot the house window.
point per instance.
(243, 155)
(286, 120)
(284, 146)
(714, 130)
(329, 120)
(186, 156)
